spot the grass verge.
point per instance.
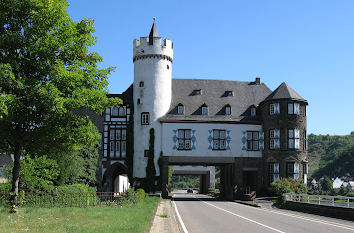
(91, 219)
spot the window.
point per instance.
(293, 139)
(219, 139)
(121, 111)
(273, 172)
(204, 110)
(253, 140)
(141, 84)
(274, 109)
(253, 112)
(146, 153)
(180, 109)
(184, 139)
(197, 92)
(114, 111)
(138, 101)
(292, 170)
(229, 93)
(305, 141)
(117, 142)
(228, 110)
(274, 139)
(293, 108)
(168, 67)
(145, 118)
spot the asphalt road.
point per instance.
(200, 213)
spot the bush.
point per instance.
(38, 174)
(288, 185)
(129, 197)
(141, 194)
(5, 189)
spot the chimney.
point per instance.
(258, 80)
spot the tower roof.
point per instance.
(153, 31)
(284, 91)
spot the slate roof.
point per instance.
(214, 97)
(126, 96)
(284, 91)
(153, 31)
(5, 160)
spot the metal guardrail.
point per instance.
(338, 201)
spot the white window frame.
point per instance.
(184, 137)
(219, 139)
(204, 110)
(253, 112)
(253, 140)
(228, 110)
(145, 118)
(293, 139)
(180, 109)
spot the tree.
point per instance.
(327, 184)
(130, 144)
(47, 73)
(150, 167)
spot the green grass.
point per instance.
(92, 219)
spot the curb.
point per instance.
(249, 204)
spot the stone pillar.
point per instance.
(207, 182)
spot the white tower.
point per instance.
(152, 94)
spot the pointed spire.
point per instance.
(284, 91)
(153, 32)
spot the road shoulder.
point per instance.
(165, 219)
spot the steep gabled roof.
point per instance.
(153, 31)
(213, 95)
(284, 91)
(126, 96)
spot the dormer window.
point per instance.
(253, 111)
(197, 92)
(141, 84)
(180, 109)
(229, 93)
(204, 110)
(227, 110)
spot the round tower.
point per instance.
(285, 142)
(152, 90)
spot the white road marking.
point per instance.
(179, 218)
(340, 225)
(263, 225)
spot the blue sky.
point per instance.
(309, 44)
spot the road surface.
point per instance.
(200, 213)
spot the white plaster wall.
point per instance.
(202, 142)
(155, 98)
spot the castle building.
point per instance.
(255, 135)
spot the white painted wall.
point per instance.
(202, 142)
(155, 97)
(121, 184)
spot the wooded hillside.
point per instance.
(331, 155)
